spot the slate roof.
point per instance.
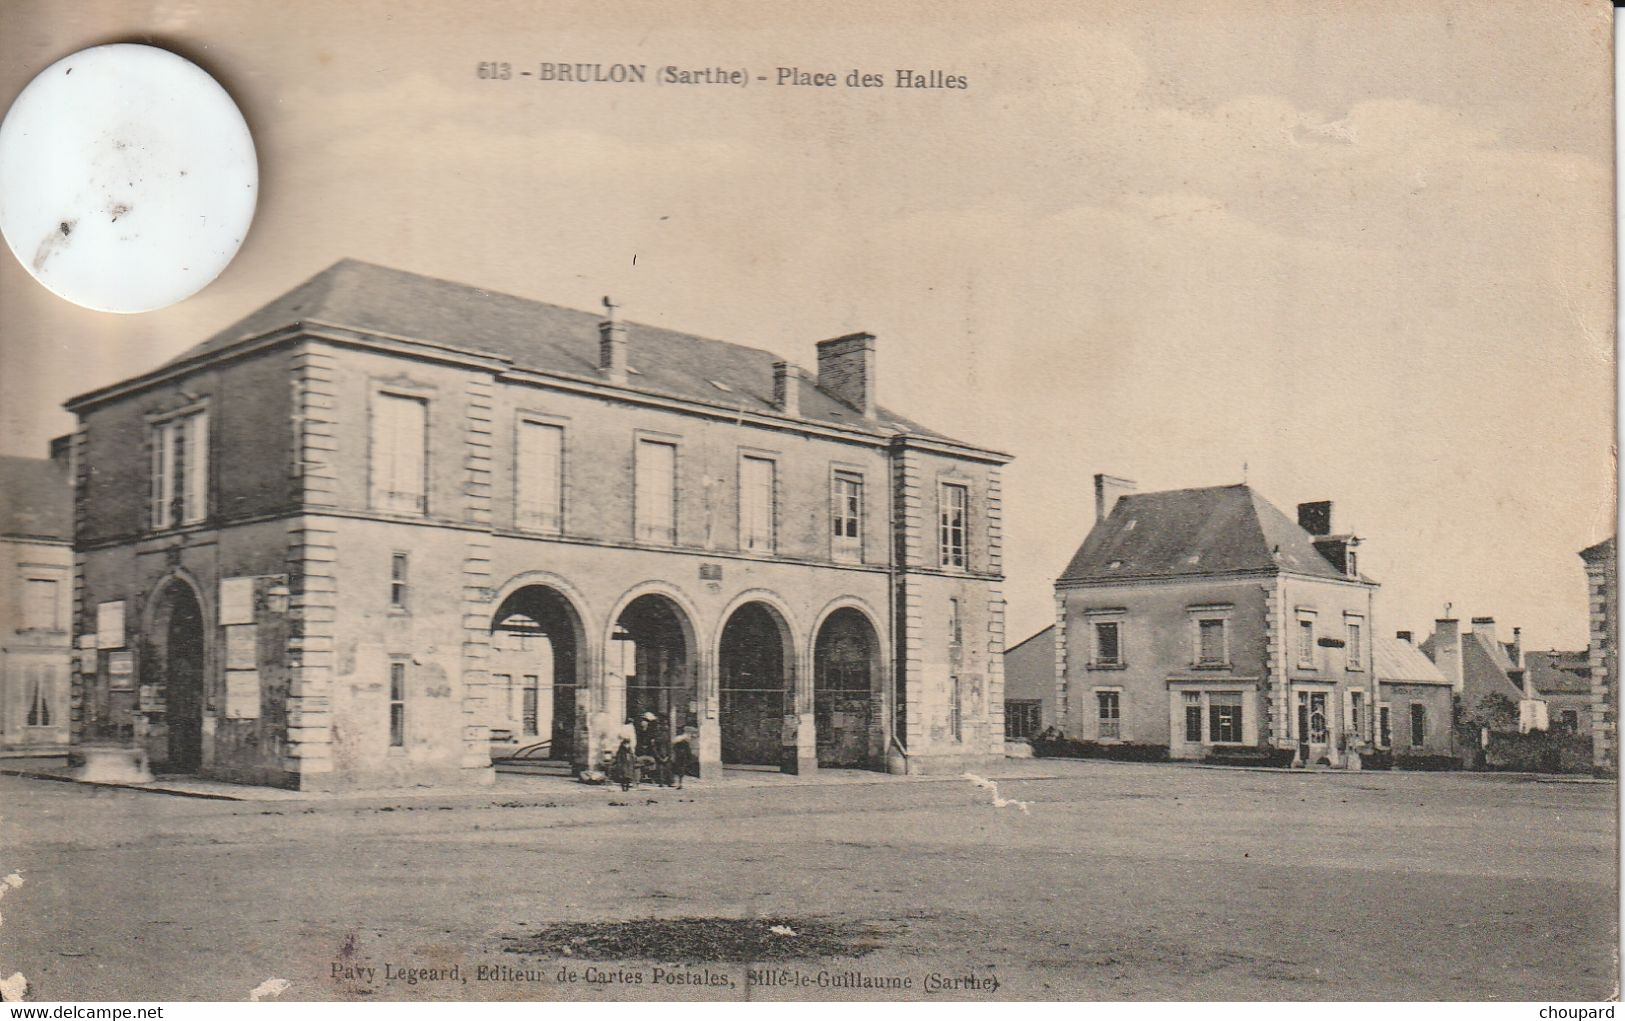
(1484, 668)
(1195, 532)
(1559, 673)
(36, 499)
(1397, 660)
(542, 337)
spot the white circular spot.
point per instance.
(127, 178)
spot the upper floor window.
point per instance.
(539, 477)
(846, 515)
(955, 509)
(400, 453)
(655, 498)
(1354, 646)
(180, 469)
(41, 605)
(1306, 639)
(1106, 641)
(757, 503)
(956, 624)
(1210, 637)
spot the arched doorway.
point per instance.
(652, 650)
(535, 672)
(846, 692)
(756, 686)
(177, 630)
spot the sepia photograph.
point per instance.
(903, 501)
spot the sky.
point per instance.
(1360, 252)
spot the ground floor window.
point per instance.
(528, 705)
(1570, 720)
(1193, 717)
(42, 681)
(397, 705)
(1023, 718)
(1419, 724)
(1224, 717)
(1385, 728)
(956, 706)
(1111, 719)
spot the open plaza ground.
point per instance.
(1115, 881)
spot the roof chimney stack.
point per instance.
(612, 344)
(1316, 518)
(846, 371)
(1446, 642)
(1516, 649)
(1108, 490)
(787, 388)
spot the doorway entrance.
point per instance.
(756, 689)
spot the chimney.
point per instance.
(1485, 626)
(1316, 518)
(1447, 650)
(612, 344)
(846, 370)
(1108, 490)
(787, 388)
(1404, 636)
(1515, 650)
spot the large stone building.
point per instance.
(1602, 582)
(1207, 621)
(344, 540)
(36, 601)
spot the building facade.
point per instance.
(350, 539)
(1415, 702)
(1602, 582)
(1487, 675)
(1207, 621)
(1562, 679)
(36, 600)
(1029, 686)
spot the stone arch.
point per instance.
(539, 630)
(175, 661)
(850, 685)
(653, 662)
(758, 694)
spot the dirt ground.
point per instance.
(1119, 881)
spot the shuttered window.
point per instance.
(400, 453)
(656, 496)
(540, 477)
(757, 478)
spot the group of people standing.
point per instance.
(651, 752)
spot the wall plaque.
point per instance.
(236, 600)
(110, 625)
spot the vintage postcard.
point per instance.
(842, 501)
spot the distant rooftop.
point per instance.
(36, 499)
